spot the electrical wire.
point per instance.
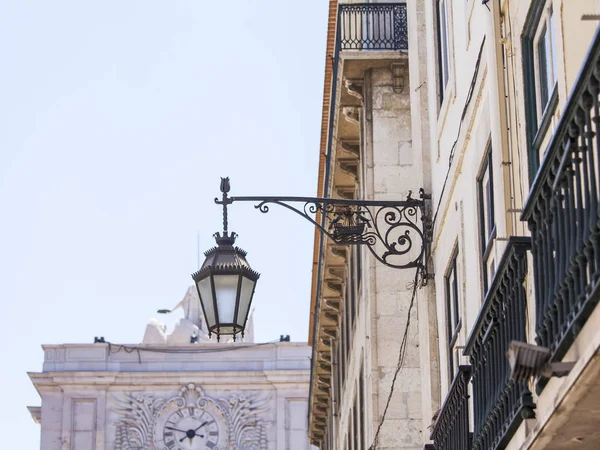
(132, 348)
(401, 357)
(415, 284)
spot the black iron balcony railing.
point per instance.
(373, 26)
(451, 429)
(499, 404)
(563, 216)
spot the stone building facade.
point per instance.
(174, 394)
(492, 108)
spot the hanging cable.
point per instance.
(415, 284)
(139, 349)
(401, 357)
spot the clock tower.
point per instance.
(174, 391)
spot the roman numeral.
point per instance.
(211, 444)
(180, 414)
(168, 434)
(213, 433)
(171, 444)
(191, 410)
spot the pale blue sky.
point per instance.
(116, 120)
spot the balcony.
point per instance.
(499, 404)
(372, 26)
(562, 213)
(451, 429)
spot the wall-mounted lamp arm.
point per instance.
(396, 232)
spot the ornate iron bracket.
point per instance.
(396, 232)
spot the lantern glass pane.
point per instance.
(206, 298)
(245, 299)
(226, 290)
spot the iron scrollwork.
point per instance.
(396, 232)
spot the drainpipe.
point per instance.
(498, 115)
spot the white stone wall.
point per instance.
(392, 166)
(84, 387)
(395, 159)
(396, 170)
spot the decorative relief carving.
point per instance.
(247, 426)
(134, 430)
(143, 416)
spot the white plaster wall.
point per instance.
(485, 119)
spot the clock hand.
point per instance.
(176, 429)
(201, 426)
(193, 435)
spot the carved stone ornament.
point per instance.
(351, 114)
(349, 166)
(355, 87)
(351, 146)
(345, 191)
(191, 420)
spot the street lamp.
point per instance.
(396, 232)
(225, 282)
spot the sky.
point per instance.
(117, 119)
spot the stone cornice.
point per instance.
(221, 358)
(50, 381)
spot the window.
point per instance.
(545, 61)
(485, 182)
(540, 75)
(443, 46)
(452, 314)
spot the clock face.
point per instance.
(191, 428)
